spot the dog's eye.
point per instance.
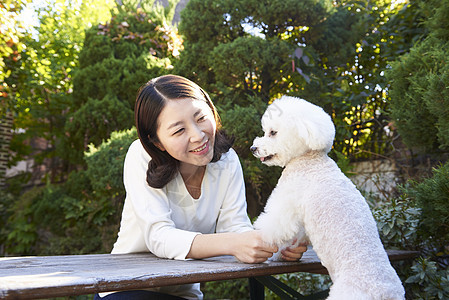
(273, 133)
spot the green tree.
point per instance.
(40, 83)
(346, 57)
(419, 94)
(431, 195)
(11, 31)
(243, 44)
(80, 212)
(135, 45)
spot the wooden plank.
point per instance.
(52, 276)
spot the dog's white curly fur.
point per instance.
(314, 201)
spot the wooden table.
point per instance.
(52, 276)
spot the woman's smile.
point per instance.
(202, 149)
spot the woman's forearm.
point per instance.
(247, 246)
(209, 245)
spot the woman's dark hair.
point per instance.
(151, 99)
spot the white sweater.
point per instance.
(165, 221)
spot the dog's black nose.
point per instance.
(253, 149)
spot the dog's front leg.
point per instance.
(267, 223)
(279, 222)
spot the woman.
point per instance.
(185, 195)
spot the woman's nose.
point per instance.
(197, 134)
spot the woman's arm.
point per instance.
(247, 246)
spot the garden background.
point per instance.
(380, 68)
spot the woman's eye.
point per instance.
(273, 133)
(202, 118)
(179, 131)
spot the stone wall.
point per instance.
(376, 176)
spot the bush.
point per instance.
(419, 97)
(432, 196)
(397, 222)
(419, 220)
(136, 45)
(79, 216)
(429, 281)
(243, 123)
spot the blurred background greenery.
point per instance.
(69, 79)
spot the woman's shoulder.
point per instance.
(230, 155)
(137, 151)
(227, 160)
(135, 147)
(136, 144)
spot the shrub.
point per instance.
(79, 216)
(226, 289)
(419, 97)
(243, 123)
(419, 220)
(429, 281)
(432, 196)
(397, 222)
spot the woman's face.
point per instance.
(186, 130)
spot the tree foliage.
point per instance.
(348, 54)
(81, 215)
(40, 82)
(419, 93)
(419, 220)
(12, 30)
(119, 56)
(432, 196)
(81, 88)
(250, 34)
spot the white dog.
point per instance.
(315, 202)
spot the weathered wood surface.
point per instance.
(52, 276)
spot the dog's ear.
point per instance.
(316, 128)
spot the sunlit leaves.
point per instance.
(40, 83)
(12, 30)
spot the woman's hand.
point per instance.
(293, 253)
(250, 248)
